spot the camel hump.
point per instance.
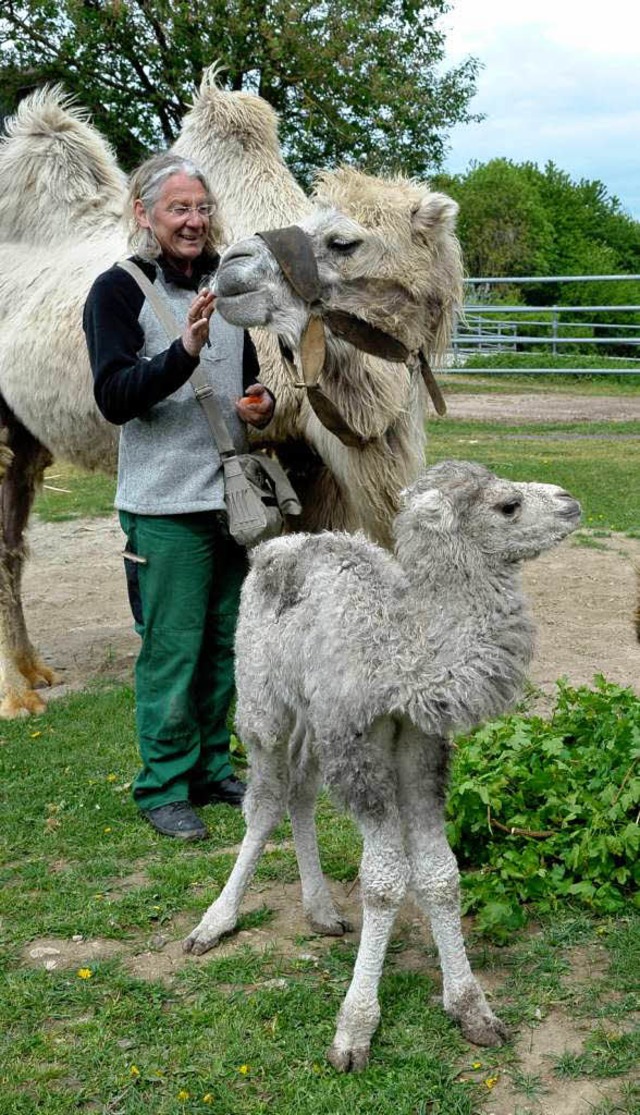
(234, 114)
(59, 177)
(48, 112)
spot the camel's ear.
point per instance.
(434, 211)
(434, 509)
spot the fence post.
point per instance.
(554, 330)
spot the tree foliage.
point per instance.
(516, 219)
(353, 80)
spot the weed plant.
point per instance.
(545, 811)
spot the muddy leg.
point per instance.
(264, 806)
(434, 882)
(20, 663)
(318, 905)
(383, 878)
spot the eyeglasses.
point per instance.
(187, 210)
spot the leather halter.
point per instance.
(293, 250)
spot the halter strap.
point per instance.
(293, 250)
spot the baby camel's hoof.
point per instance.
(348, 1060)
(485, 1030)
(200, 942)
(336, 927)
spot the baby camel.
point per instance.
(354, 668)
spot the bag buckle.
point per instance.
(204, 391)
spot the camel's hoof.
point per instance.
(336, 927)
(348, 1060)
(18, 705)
(485, 1031)
(200, 942)
(43, 673)
(34, 670)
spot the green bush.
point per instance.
(546, 811)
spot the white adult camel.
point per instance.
(389, 254)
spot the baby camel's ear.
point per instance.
(434, 211)
(433, 509)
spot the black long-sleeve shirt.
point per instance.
(126, 385)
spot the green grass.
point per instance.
(71, 493)
(587, 381)
(77, 860)
(597, 462)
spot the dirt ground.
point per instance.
(583, 599)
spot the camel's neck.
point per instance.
(473, 623)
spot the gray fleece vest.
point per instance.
(168, 462)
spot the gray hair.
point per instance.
(146, 184)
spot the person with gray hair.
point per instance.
(184, 571)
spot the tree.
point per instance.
(503, 225)
(353, 80)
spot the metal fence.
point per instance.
(488, 327)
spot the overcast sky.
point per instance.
(561, 81)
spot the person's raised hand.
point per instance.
(196, 331)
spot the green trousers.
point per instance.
(184, 592)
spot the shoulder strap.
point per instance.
(202, 388)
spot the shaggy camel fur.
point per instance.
(354, 668)
(386, 250)
(59, 179)
(46, 396)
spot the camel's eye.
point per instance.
(510, 508)
(343, 246)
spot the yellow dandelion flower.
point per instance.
(491, 1082)
(183, 1095)
(244, 1069)
(134, 1071)
(477, 1065)
(34, 735)
(208, 1098)
(112, 778)
(84, 973)
(107, 828)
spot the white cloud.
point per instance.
(561, 82)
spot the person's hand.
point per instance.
(256, 406)
(196, 331)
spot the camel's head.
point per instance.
(485, 519)
(385, 250)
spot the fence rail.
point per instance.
(487, 328)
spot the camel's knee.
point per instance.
(384, 877)
(436, 879)
(268, 786)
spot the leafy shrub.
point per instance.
(542, 811)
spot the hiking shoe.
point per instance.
(176, 819)
(230, 791)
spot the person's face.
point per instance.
(181, 235)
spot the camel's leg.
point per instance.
(22, 668)
(383, 877)
(264, 806)
(434, 881)
(317, 902)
